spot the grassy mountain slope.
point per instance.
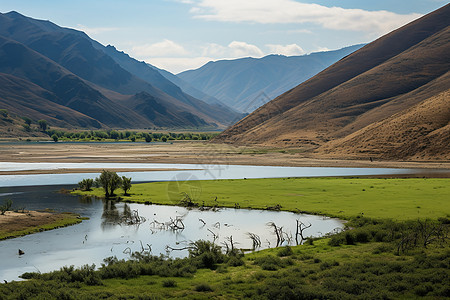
(420, 132)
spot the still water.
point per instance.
(105, 234)
(192, 171)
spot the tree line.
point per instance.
(132, 136)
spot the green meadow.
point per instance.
(398, 199)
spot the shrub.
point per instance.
(349, 239)
(269, 262)
(206, 254)
(7, 204)
(169, 283)
(235, 261)
(285, 251)
(203, 287)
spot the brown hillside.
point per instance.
(386, 77)
(35, 103)
(421, 132)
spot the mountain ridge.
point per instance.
(388, 76)
(239, 82)
(73, 54)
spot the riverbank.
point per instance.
(15, 224)
(184, 152)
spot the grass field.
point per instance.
(398, 199)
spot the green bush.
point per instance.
(203, 287)
(269, 262)
(285, 251)
(169, 283)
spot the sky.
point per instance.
(179, 35)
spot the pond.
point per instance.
(107, 234)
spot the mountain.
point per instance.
(420, 132)
(240, 82)
(170, 86)
(36, 102)
(82, 63)
(188, 88)
(402, 70)
(62, 87)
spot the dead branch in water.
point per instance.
(278, 231)
(299, 231)
(256, 241)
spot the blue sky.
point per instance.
(183, 34)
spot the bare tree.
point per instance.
(299, 231)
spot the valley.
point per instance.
(224, 150)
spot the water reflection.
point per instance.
(110, 216)
(117, 228)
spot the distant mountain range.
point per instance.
(240, 83)
(63, 76)
(389, 99)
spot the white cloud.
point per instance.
(166, 48)
(179, 64)
(288, 50)
(95, 30)
(235, 49)
(290, 11)
(322, 49)
(242, 49)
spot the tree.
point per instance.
(126, 185)
(43, 124)
(164, 139)
(86, 184)
(110, 181)
(55, 138)
(27, 120)
(114, 135)
(148, 138)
